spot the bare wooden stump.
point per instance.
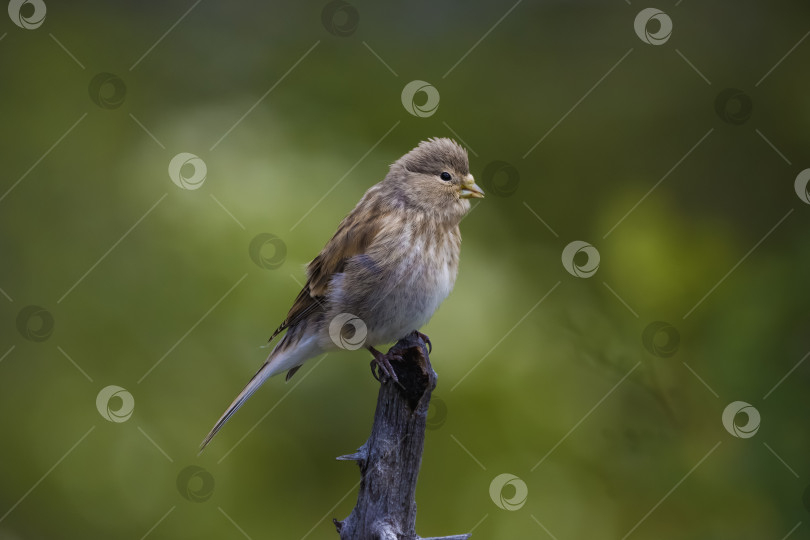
(390, 459)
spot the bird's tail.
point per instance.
(280, 359)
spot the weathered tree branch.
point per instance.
(390, 459)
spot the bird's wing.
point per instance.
(304, 304)
(353, 237)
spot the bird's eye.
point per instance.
(446, 176)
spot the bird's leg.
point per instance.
(426, 339)
(382, 363)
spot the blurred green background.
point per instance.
(613, 438)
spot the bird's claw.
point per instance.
(381, 368)
(426, 339)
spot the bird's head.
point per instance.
(435, 177)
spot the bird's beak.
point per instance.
(469, 189)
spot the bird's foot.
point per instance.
(381, 367)
(426, 339)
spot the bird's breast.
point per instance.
(397, 287)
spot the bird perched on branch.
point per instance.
(383, 274)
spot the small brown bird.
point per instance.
(383, 274)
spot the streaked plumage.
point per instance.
(392, 261)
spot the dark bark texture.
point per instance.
(390, 459)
